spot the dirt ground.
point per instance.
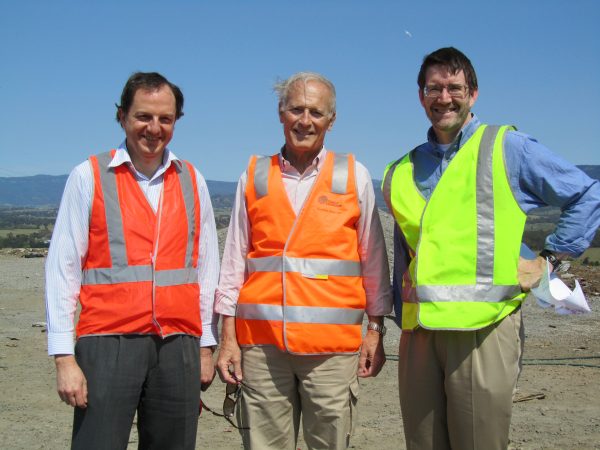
(561, 379)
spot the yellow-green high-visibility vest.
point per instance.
(464, 241)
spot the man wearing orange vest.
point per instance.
(460, 202)
(135, 243)
(304, 260)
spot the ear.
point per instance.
(331, 121)
(280, 112)
(473, 98)
(121, 114)
(422, 97)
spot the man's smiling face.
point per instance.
(447, 113)
(306, 116)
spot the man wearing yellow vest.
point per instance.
(304, 260)
(135, 243)
(460, 202)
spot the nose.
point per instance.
(154, 126)
(445, 96)
(305, 118)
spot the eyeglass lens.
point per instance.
(229, 402)
(454, 90)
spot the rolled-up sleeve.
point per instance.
(372, 248)
(233, 267)
(540, 178)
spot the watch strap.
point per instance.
(381, 329)
(552, 259)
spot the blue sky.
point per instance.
(64, 64)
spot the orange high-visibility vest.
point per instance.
(141, 274)
(304, 291)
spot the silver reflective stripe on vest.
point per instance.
(113, 275)
(306, 266)
(485, 207)
(261, 176)
(387, 185)
(300, 314)
(339, 179)
(114, 221)
(466, 293)
(175, 277)
(132, 274)
(187, 189)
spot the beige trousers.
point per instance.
(456, 387)
(283, 388)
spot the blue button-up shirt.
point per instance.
(537, 178)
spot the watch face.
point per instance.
(562, 266)
(381, 329)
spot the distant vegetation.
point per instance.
(47, 190)
(28, 207)
(26, 227)
(222, 216)
(33, 240)
(32, 227)
(591, 257)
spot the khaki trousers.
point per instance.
(456, 387)
(283, 388)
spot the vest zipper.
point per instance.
(153, 259)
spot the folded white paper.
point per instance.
(553, 292)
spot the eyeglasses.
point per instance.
(454, 90)
(233, 392)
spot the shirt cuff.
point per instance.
(224, 305)
(61, 343)
(572, 250)
(210, 335)
(382, 306)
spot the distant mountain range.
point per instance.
(46, 190)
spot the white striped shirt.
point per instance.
(69, 246)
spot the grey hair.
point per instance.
(282, 87)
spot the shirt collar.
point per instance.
(122, 157)
(463, 136)
(317, 163)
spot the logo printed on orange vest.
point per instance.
(325, 204)
(323, 200)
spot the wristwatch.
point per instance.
(381, 329)
(552, 259)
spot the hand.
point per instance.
(230, 355)
(70, 381)
(372, 355)
(530, 272)
(207, 367)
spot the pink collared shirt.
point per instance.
(372, 250)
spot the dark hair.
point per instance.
(150, 81)
(454, 60)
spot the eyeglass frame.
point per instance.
(236, 392)
(464, 90)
